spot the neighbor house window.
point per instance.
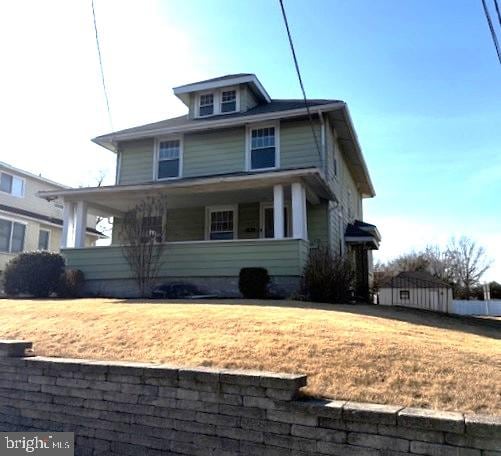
(43, 239)
(206, 107)
(12, 184)
(405, 294)
(263, 148)
(221, 223)
(229, 101)
(11, 236)
(169, 153)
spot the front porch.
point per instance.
(212, 229)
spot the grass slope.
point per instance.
(362, 353)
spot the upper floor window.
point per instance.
(229, 101)
(11, 236)
(169, 159)
(206, 107)
(11, 184)
(263, 148)
(43, 239)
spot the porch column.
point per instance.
(278, 211)
(299, 228)
(68, 234)
(80, 224)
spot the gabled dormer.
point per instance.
(234, 93)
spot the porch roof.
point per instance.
(193, 191)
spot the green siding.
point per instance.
(186, 224)
(200, 259)
(136, 161)
(297, 146)
(318, 228)
(215, 152)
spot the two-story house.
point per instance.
(249, 180)
(28, 222)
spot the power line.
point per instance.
(497, 11)
(101, 67)
(491, 27)
(301, 81)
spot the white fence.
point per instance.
(488, 308)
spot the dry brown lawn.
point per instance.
(362, 353)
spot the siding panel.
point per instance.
(297, 146)
(136, 161)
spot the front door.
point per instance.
(268, 226)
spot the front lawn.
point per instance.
(362, 353)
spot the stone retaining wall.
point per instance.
(118, 408)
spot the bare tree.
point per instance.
(142, 231)
(469, 263)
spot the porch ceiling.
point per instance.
(114, 200)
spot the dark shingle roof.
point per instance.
(220, 78)
(415, 279)
(265, 108)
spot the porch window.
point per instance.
(229, 101)
(206, 107)
(11, 184)
(262, 148)
(11, 236)
(169, 153)
(405, 294)
(43, 239)
(222, 224)
(153, 228)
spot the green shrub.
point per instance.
(33, 273)
(71, 283)
(327, 277)
(253, 283)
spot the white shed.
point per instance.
(419, 290)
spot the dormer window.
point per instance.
(206, 105)
(229, 101)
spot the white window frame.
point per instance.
(14, 176)
(248, 144)
(21, 222)
(48, 238)
(268, 205)
(218, 98)
(228, 207)
(156, 156)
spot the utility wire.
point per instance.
(491, 27)
(497, 11)
(301, 81)
(101, 67)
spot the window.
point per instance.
(153, 226)
(12, 184)
(263, 148)
(405, 294)
(169, 153)
(221, 223)
(229, 101)
(206, 105)
(43, 239)
(11, 236)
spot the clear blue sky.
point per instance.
(420, 77)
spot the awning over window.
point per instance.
(360, 232)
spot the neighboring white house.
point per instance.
(28, 222)
(419, 290)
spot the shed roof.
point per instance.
(415, 279)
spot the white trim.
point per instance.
(204, 86)
(227, 207)
(118, 170)
(20, 222)
(267, 205)
(248, 144)
(217, 100)
(14, 176)
(48, 249)
(156, 156)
